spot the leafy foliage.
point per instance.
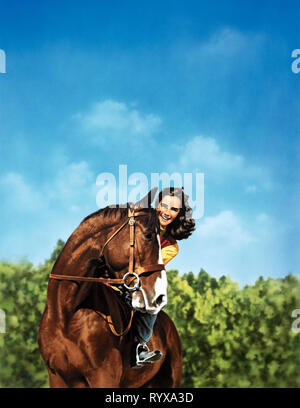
(231, 337)
(23, 291)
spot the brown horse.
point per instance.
(86, 336)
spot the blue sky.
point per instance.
(183, 86)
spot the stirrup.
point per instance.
(145, 356)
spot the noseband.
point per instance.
(133, 273)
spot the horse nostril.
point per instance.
(160, 299)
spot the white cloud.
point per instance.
(19, 194)
(228, 48)
(230, 41)
(73, 180)
(45, 213)
(117, 117)
(262, 218)
(243, 248)
(204, 154)
(72, 187)
(224, 229)
(251, 189)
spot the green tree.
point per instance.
(57, 250)
(233, 337)
(23, 290)
(23, 298)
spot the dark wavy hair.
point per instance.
(183, 225)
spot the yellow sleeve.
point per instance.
(169, 252)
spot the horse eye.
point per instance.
(149, 235)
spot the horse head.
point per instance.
(147, 279)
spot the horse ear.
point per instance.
(146, 201)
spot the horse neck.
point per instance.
(83, 246)
(85, 243)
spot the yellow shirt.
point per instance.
(170, 251)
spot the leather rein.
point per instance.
(133, 273)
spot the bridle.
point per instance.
(133, 273)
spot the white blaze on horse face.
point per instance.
(158, 299)
(161, 284)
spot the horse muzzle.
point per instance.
(151, 298)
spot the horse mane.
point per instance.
(108, 212)
(123, 212)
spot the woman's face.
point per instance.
(168, 209)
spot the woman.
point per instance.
(176, 223)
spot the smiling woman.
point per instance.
(175, 218)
